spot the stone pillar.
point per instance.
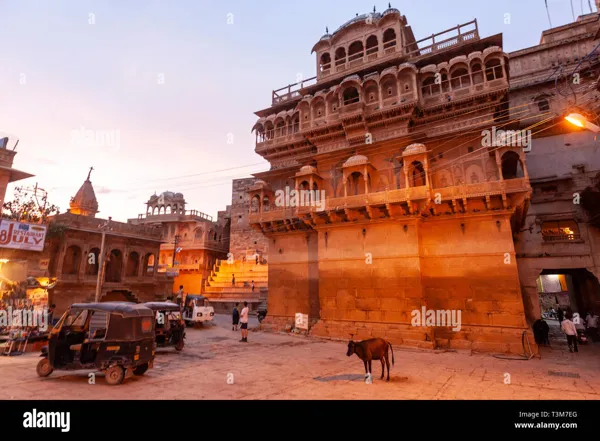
(406, 181)
(366, 175)
(499, 164)
(345, 184)
(426, 169)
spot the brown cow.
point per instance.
(372, 349)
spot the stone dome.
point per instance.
(84, 202)
(307, 170)
(414, 149)
(356, 160)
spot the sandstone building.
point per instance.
(198, 239)
(73, 249)
(418, 211)
(558, 249)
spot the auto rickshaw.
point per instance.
(170, 327)
(116, 338)
(197, 310)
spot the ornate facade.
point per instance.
(561, 236)
(74, 246)
(418, 210)
(200, 240)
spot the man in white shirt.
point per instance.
(592, 324)
(244, 322)
(568, 328)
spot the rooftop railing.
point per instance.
(444, 41)
(292, 91)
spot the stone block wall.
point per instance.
(243, 238)
(371, 277)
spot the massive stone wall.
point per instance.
(243, 239)
(370, 278)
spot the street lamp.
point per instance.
(581, 121)
(104, 227)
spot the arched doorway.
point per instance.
(511, 166)
(114, 266)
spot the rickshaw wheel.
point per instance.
(43, 368)
(141, 369)
(179, 345)
(115, 375)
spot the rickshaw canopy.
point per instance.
(123, 309)
(162, 306)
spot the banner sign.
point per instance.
(22, 236)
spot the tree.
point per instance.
(29, 205)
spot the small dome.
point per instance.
(178, 195)
(391, 10)
(356, 160)
(414, 149)
(307, 170)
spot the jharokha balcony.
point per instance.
(422, 201)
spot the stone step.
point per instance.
(238, 282)
(231, 289)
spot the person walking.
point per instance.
(233, 280)
(253, 286)
(180, 295)
(561, 315)
(244, 322)
(592, 325)
(235, 317)
(569, 329)
(257, 259)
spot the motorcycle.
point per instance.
(581, 337)
(261, 315)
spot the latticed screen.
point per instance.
(560, 231)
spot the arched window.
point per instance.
(340, 56)
(493, 69)
(114, 266)
(295, 123)
(168, 210)
(416, 174)
(215, 236)
(149, 264)
(280, 129)
(92, 262)
(372, 45)
(198, 234)
(356, 184)
(72, 260)
(389, 38)
(560, 231)
(255, 204)
(351, 96)
(355, 51)
(266, 204)
(460, 79)
(430, 87)
(133, 263)
(477, 73)
(511, 166)
(325, 63)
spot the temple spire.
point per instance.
(374, 9)
(90, 172)
(327, 29)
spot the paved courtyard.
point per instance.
(275, 366)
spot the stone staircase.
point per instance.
(223, 295)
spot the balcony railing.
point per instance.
(463, 85)
(292, 91)
(548, 237)
(396, 196)
(429, 45)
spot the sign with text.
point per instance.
(302, 321)
(44, 264)
(22, 236)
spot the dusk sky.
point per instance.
(174, 78)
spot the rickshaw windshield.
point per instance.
(76, 318)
